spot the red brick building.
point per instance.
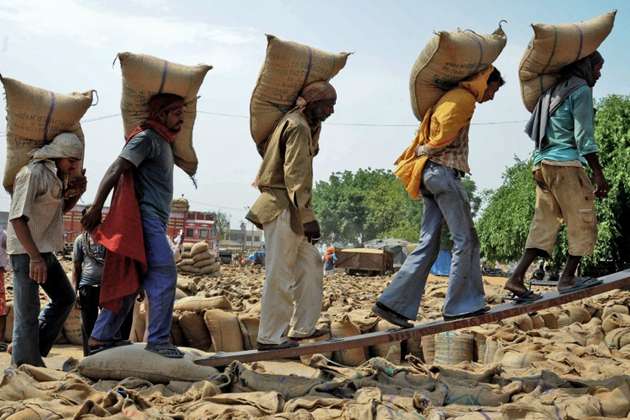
(195, 225)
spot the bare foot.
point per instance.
(516, 285)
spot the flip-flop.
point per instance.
(3, 347)
(580, 283)
(527, 297)
(166, 350)
(481, 311)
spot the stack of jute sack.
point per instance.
(34, 117)
(287, 69)
(447, 59)
(145, 76)
(556, 46)
(197, 259)
(179, 205)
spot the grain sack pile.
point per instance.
(145, 76)
(288, 67)
(34, 117)
(447, 59)
(556, 46)
(569, 362)
(198, 259)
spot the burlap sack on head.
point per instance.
(72, 327)
(34, 117)
(555, 46)
(447, 59)
(224, 329)
(341, 328)
(145, 76)
(288, 67)
(134, 361)
(194, 329)
(200, 303)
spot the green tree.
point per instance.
(222, 221)
(504, 223)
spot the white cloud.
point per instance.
(98, 26)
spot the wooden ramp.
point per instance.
(611, 282)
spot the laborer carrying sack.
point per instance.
(292, 293)
(562, 129)
(134, 231)
(433, 167)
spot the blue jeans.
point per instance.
(445, 200)
(32, 337)
(159, 283)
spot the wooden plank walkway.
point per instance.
(507, 310)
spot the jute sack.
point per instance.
(555, 46)
(249, 330)
(186, 262)
(34, 117)
(428, 348)
(180, 294)
(195, 330)
(447, 59)
(200, 303)
(619, 309)
(139, 322)
(616, 402)
(8, 323)
(224, 329)
(453, 347)
(187, 247)
(388, 351)
(579, 314)
(177, 334)
(537, 321)
(198, 248)
(210, 269)
(72, 327)
(288, 67)
(134, 361)
(615, 320)
(202, 256)
(204, 263)
(145, 76)
(345, 328)
(618, 338)
(550, 319)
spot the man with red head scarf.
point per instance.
(292, 293)
(134, 231)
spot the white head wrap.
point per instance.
(64, 145)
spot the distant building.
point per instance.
(242, 238)
(195, 225)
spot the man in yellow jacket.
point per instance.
(433, 166)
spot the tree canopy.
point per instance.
(355, 207)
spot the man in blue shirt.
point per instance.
(562, 128)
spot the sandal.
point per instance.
(580, 283)
(390, 316)
(523, 298)
(286, 345)
(319, 332)
(3, 347)
(166, 350)
(481, 311)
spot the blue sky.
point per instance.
(69, 45)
